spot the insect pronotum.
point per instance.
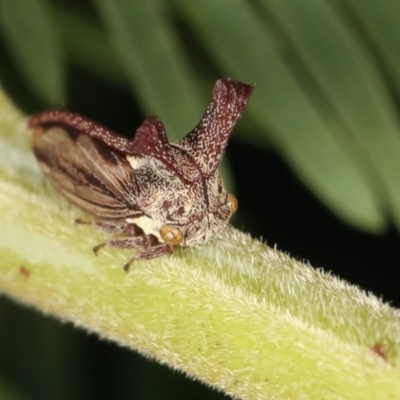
(156, 194)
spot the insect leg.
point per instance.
(149, 253)
(134, 242)
(155, 251)
(114, 227)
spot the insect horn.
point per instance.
(207, 142)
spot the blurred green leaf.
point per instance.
(88, 45)
(349, 79)
(236, 37)
(319, 97)
(8, 391)
(29, 31)
(380, 21)
(154, 61)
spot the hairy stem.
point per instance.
(235, 314)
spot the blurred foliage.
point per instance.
(327, 76)
(326, 72)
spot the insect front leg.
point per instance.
(114, 227)
(134, 242)
(161, 249)
(152, 248)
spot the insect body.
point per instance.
(157, 194)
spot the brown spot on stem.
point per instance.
(380, 350)
(24, 271)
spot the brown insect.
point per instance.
(157, 194)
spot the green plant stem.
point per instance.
(236, 314)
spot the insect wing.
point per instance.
(87, 172)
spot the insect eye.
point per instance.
(171, 235)
(232, 202)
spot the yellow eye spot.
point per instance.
(233, 203)
(171, 235)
